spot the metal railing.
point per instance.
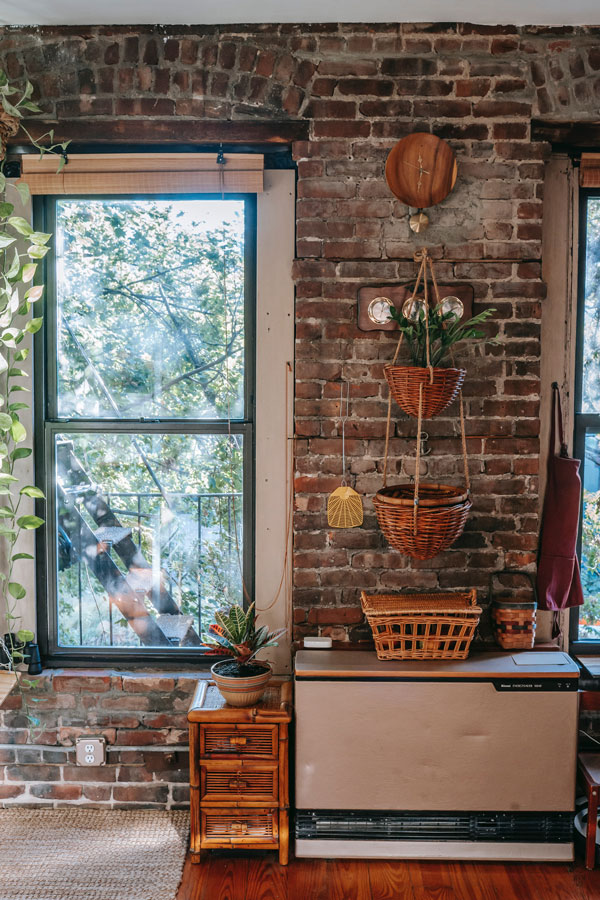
(182, 543)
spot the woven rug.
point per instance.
(91, 854)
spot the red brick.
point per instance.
(141, 684)
(56, 791)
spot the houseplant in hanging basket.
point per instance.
(430, 330)
(435, 329)
(240, 678)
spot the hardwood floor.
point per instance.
(258, 876)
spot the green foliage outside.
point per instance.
(150, 324)
(589, 619)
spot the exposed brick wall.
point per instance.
(143, 718)
(361, 88)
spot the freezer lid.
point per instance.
(363, 664)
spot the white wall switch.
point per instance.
(90, 751)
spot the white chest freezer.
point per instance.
(449, 759)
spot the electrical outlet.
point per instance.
(90, 751)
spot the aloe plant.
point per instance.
(445, 330)
(234, 634)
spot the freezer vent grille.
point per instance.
(527, 827)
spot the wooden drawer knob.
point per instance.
(239, 827)
(238, 740)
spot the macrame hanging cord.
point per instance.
(422, 257)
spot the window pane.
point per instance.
(590, 400)
(150, 317)
(149, 533)
(589, 613)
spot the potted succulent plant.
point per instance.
(429, 342)
(241, 679)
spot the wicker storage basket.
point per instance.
(441, 517)
(513, 622)
(422, 626)
(404, 384)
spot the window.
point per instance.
(586, 619)
(146, 430)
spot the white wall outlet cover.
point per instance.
(90, 751)
(317, 643)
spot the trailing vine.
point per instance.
(21, 250)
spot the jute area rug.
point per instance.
(91, 854)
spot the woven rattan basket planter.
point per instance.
(422, 626)
(514, 624)
(404, 384)
(441, 518)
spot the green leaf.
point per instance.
(20, 452)
(23, 190)
(34, 325)
(6, 209)
(15, 266)
(40, 237)
(14, 372)
(6, 512)
(28, 272)
(21, 225)
(37, 251)
(31, 490)
(5, 478)
(16, 590)
(34, 293)
(32, 107)
(10, 109)
(5, 421)
(18, 432)
(6, 531)
(18, 387)
(3, 182)
(22, 355)
(29, 522)
(25, 635)
(17, 556)
(6, 240)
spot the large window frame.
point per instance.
(584, 423)
(47, 424)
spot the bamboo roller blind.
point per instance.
(589, 170)
(145, 173)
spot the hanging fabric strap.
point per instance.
(557, 414)
(425, 262)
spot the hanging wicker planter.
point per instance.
(439, 388)
(424, 526)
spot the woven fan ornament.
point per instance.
(344, 506)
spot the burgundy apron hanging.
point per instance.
(558, 581)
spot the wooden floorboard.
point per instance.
(258, 876)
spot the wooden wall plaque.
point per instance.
(397, 294)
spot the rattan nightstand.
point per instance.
(239, 786)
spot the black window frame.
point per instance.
(584, 423)
(45, 351)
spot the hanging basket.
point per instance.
(404, 382)
(439, 521)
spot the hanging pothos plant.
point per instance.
(21, 249)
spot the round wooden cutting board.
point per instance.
(421, 170)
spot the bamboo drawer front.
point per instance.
(239, 791)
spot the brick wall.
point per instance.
(360, 88)
(143, 718)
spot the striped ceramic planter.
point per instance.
(241, 691)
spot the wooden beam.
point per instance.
(575, 135)
(169, 131)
